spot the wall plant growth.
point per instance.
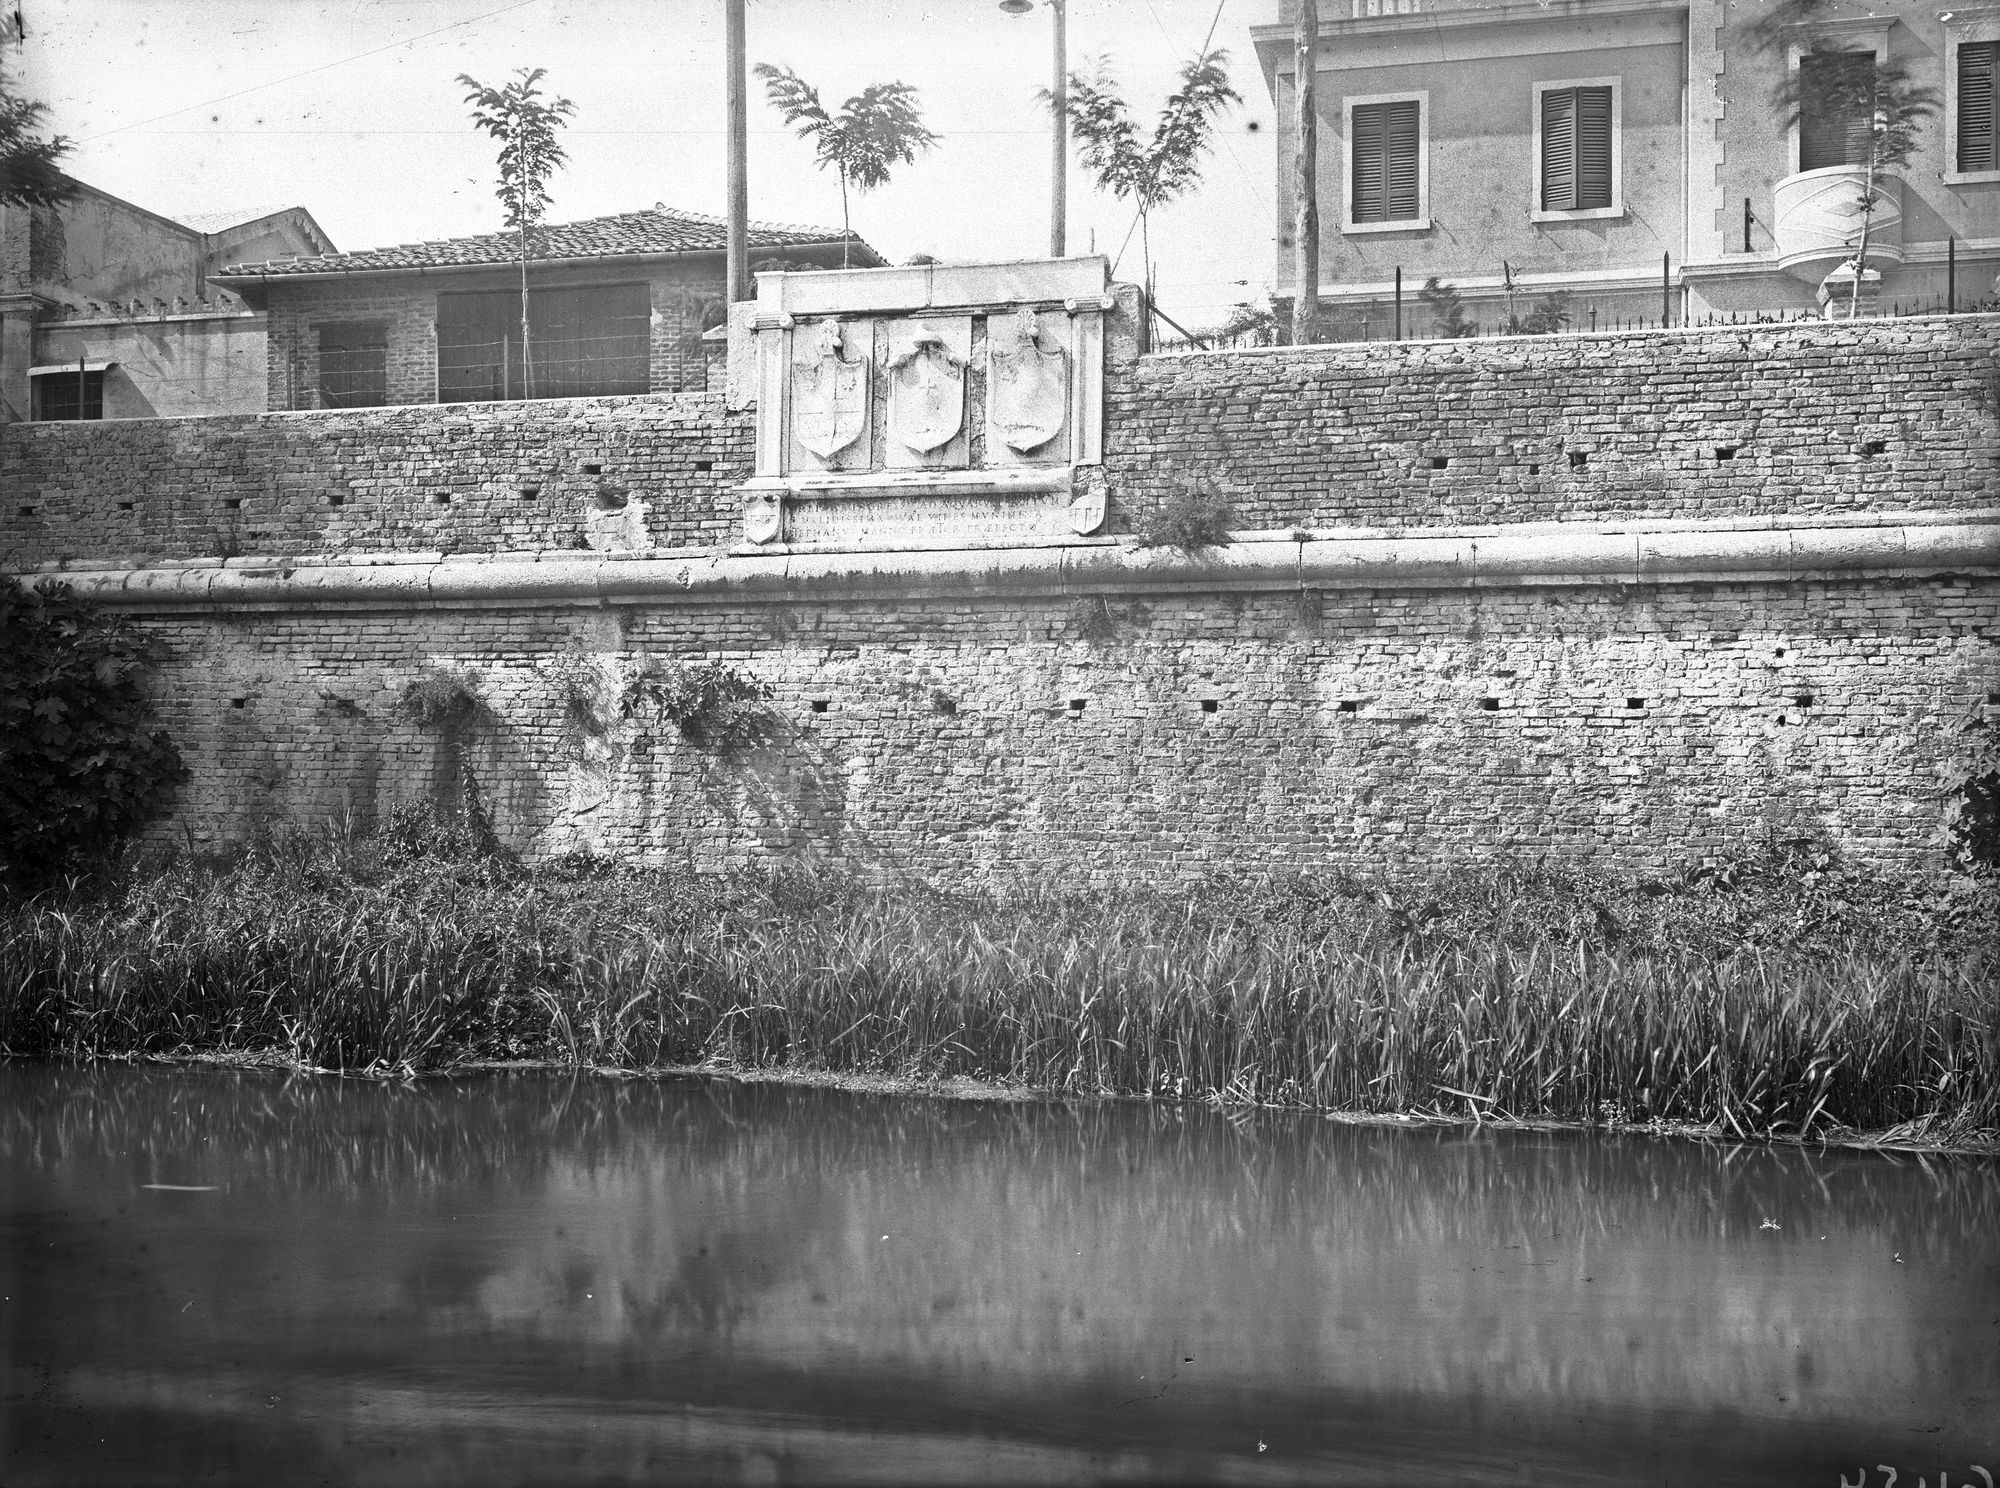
(81, 765)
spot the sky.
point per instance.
(350, 109)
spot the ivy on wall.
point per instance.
(81, 764)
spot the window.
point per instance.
(1978, 126)
(1388, 179)
(587, 342)
(353, 365)
(1836, 106)
(1576, 149)
(69, 394)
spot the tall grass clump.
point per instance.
(1780, 996)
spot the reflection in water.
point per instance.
(254, 1278)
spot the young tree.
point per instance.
(877, 128)
(29, 173)
(1151, 172)
(525, 124)
(1863, 92)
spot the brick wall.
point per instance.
(1723, 422)
(1629, 725)
(406, 310)
(473, 477)
(1623, 727)
(1767, 420)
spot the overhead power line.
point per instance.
(323, 67)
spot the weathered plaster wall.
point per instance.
(175, 366)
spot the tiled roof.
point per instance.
(656, 230)
(215, 222)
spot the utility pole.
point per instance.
(1059, 169)
(739, 170)
(1305, 186)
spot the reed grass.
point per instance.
(1484, 996)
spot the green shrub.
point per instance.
(81, 765)
(713, 705)
(437, 698)
(1194, 517)
(1447, 312)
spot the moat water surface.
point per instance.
(243, 1277)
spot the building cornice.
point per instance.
(1768, 550)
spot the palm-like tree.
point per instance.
(1882, 95)
(1151, 171)
(879, 127)
(525, 124)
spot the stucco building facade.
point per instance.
(1629, 154)
(109, 310)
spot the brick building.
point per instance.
(616, 305)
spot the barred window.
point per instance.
(353, 365)
(588, 342)
(69, 394)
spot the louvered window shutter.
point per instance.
(1978, 137)
(1836, 92)
(1371, 202)
(1576, 149)
(1593, 147)
(1385, 162)
(1402, 160)
(1558, 149)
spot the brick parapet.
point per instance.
(469, 477)
(1800, 418)
(1814, 420)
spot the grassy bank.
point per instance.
(1775, 996)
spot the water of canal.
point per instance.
(244, 1277)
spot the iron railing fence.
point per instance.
(1580, 317)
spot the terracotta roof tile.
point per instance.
(655, 230)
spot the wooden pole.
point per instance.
(1951, 275)
(1399, 302)
(1666, 290)
(739, 169)
(1305, 185)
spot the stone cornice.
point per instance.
(1525, 556)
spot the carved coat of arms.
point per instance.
(926, 392)
(829, 394)
(1030, 384)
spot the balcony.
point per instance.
(1816, 218)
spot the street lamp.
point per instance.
(1059, 106)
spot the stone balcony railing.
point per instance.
(1817, 216)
